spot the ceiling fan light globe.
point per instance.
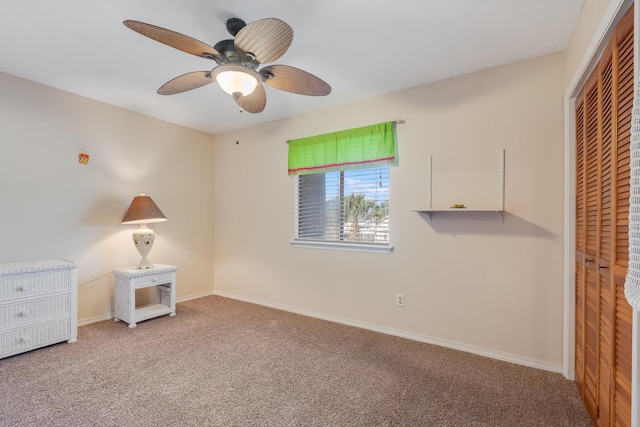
(236, 82)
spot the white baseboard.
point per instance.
(194, 296)
(494, 354)
(90, 320)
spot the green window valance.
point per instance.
(363, 147)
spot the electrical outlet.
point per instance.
(399, 300)
(224, 271)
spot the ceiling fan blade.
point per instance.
(255, 101)
(267, 39)
(294, 80)
(173, 39)
(186, 82)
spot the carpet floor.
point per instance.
(222, 362)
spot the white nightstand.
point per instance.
(132, 278)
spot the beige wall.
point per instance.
(595, 16)
(592, 13)
(53, 207)
(469, 280)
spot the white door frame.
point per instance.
(614, 13)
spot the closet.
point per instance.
(603, 318)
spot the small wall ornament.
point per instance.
(83, 158)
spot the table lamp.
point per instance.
(143, 211)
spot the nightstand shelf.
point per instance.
(163, 277)
(150, 311)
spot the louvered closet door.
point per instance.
(605, 233)
(581, 230)
(603, 317)
(591, 307)
(621, 370)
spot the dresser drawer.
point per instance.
(155, 279)
(31, 337)
(33, 284)
(29, 311)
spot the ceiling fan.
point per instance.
(237, 60)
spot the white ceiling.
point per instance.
(361, 48)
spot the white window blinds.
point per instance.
(343, 206)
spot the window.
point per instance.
(342, 188)
(343, 206)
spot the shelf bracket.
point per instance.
(501, 183)
(430, 186)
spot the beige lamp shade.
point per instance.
(143, 211)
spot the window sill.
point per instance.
(353, 247)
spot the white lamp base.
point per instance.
(143, 238)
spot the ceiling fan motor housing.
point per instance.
(229, 55)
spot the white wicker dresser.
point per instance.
(38, 305)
